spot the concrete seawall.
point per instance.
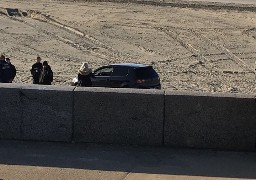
(31, 112)
(204, 120)
(127, 116)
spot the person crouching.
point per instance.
(84, 76)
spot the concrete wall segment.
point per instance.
(38, 112)
(211, 94)
(128, 116)
(210, 120)
(10, 115)
(120, 116)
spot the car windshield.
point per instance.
(146, 73)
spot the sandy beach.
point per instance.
(191, 49)
(230, 1)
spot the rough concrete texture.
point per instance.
(39, 115)
(10, 115)
(210, 120)
(123, 116)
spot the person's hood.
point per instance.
(84, 69)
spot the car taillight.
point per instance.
(140, 81)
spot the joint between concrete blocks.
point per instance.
(73, 118)
(163, 120)
(21, 96)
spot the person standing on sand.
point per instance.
(46, 76)
(2, 62)
(36, 70)
(12, 73)
(5, 71)
(84, 76)
(2, 59)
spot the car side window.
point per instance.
(120, 71)
(106, 71)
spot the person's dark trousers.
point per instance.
(35, 81)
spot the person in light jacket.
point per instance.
(84, 76)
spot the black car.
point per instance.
(126, 75)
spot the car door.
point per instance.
(101, 76)
(119, 77)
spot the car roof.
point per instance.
(132, 65)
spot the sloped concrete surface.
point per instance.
(44, 161)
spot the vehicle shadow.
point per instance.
(150, 160)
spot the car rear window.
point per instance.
(146, 73)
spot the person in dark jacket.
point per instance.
(2, 61)
(36, 70)
(46, 76)
(12, 70)
(2, 58)
(84, 76)
(6, 73)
